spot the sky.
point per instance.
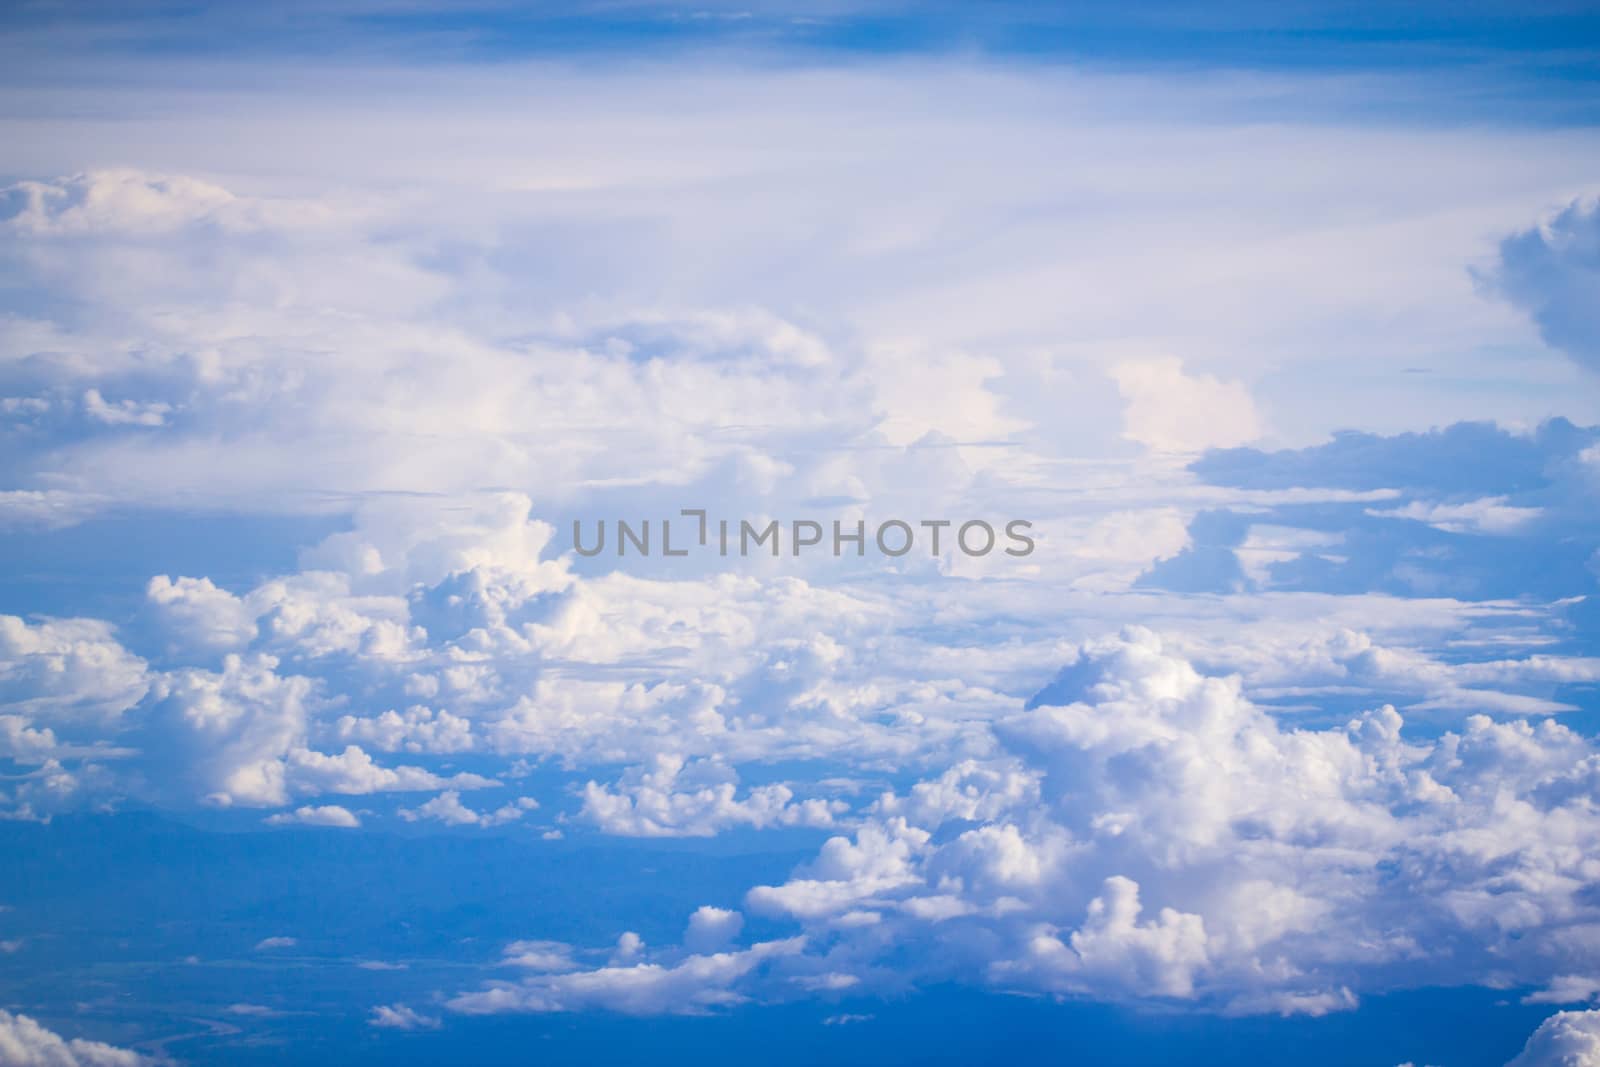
(1159, 450)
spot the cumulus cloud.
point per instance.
(1113, 949)
(711, 928)
(448, 809)
(1185, 845)
(63, 670)
(241, 736)
(1171, 410)
(1567, 1039)
(675, 798)
(196, 611)
(400, 1017)
(417, 729)
(316, 815)
(540, 955)
(1146, 827)
(694, 985)
(24, 1043)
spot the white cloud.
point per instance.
(61, 670)
(1290, 1004)
(695, 985)
(1113, 949)
(240, 735)
(448, 809)
(1170, 410)
(711, 928)
(1183, 844)
(1158, 834)
(400, 1017)
(24, 1043)
(354, 772)
(540, 955)
(23, 743)
(124, 412)
(197, 612)
(675, 798)
(116, 201)
(1490, 515)
(321, 815)
(1566, 989)
(1566, 1039)
(417, 729)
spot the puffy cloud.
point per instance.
(1170, 410)
(318, 815)
(540, 955)
(448, 809)
(24, 1043)
(1148, 827)
(417, 729)
(1285, 869)
(1566, 1039)
(309, 615)
(233, 728)
(65, 670)
(1112, 949)
(196, 612)
(692, 986)
(849, 876)
(24, 744)
(354, 772)
(240, 737)
(711, 928)
(400, 1017)
(124, 202)
(674, 798)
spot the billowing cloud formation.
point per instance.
(673, 800)
(1184, 844)
(1566, 1039)
(24, 1043)
(1145, 831)
(1338, 775)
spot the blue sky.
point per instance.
(322, 325)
